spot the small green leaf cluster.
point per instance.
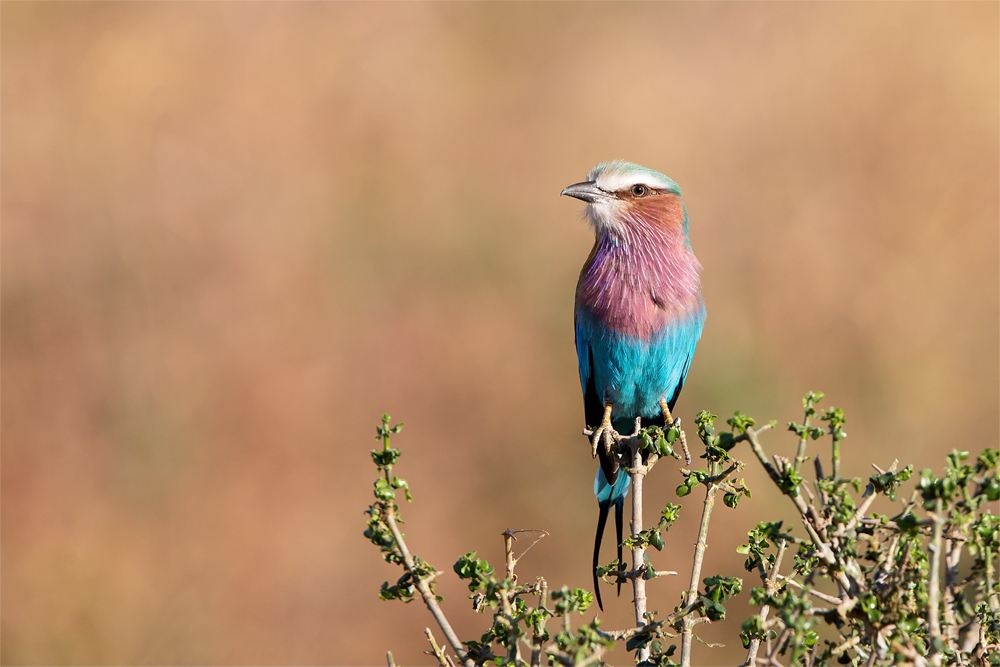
(660, 656)
(385, 459)
(752, 628)
(793, 609)
(985, 532)
(835, 422)
(405, 588)
(888, 482)
(807, 562)
(716, 446)
(576, 647)
(692, 478)
(801, 430)
(569, 600)
(650, 636)
(504, 632)
(476, 570)
(763, 536)
(378, 530)
(580, 645)
(989, 620)
(659, 442)
(513, 618)
(616, 566)
(378, 533)
(841, 505)
(804, 430)
(736, 490)
(791, 479)
(652, 537)
(955, 487)
(515, 621)
(718, 590)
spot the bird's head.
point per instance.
(621, 193)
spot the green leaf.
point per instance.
(568, 600)
(383, 490)
(670, 513)
(476, 570)
(741, 422)
(656, 540)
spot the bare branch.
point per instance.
(933, 587)
(699, 557)
(812, 591)
(637, 473)
(769, 586)
(425, 592)
(436, 650)
(537, 640)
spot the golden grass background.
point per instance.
(234, 234)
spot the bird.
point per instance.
(638, 315)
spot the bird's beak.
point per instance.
(587, 191)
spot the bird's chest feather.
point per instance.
(638, 285)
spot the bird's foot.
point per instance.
(669, 422)
(604, 434)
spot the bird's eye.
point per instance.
(639, 191)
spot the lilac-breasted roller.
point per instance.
(639, 314)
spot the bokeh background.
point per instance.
(234, 234)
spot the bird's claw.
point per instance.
(606, 433)
(684, 441)
(668, 422)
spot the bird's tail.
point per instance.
(619, 504)
(602, 519)
(610, 487)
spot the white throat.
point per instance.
(605, 215)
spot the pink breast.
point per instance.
(640, 280)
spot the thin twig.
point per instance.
(808, 518)
(436, 650)
(699, 557)
(650, 628)
(953, 553)
(812, 591)
(425, 592)
(538, 639)
(513, 646)
(933, 587)
(800, 454)
(508, 542)
(769, 587)
(773, 648)
(637, 473)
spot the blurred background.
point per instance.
(235, 234)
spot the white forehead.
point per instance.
(619, 175)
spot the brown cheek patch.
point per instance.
(665, 211)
